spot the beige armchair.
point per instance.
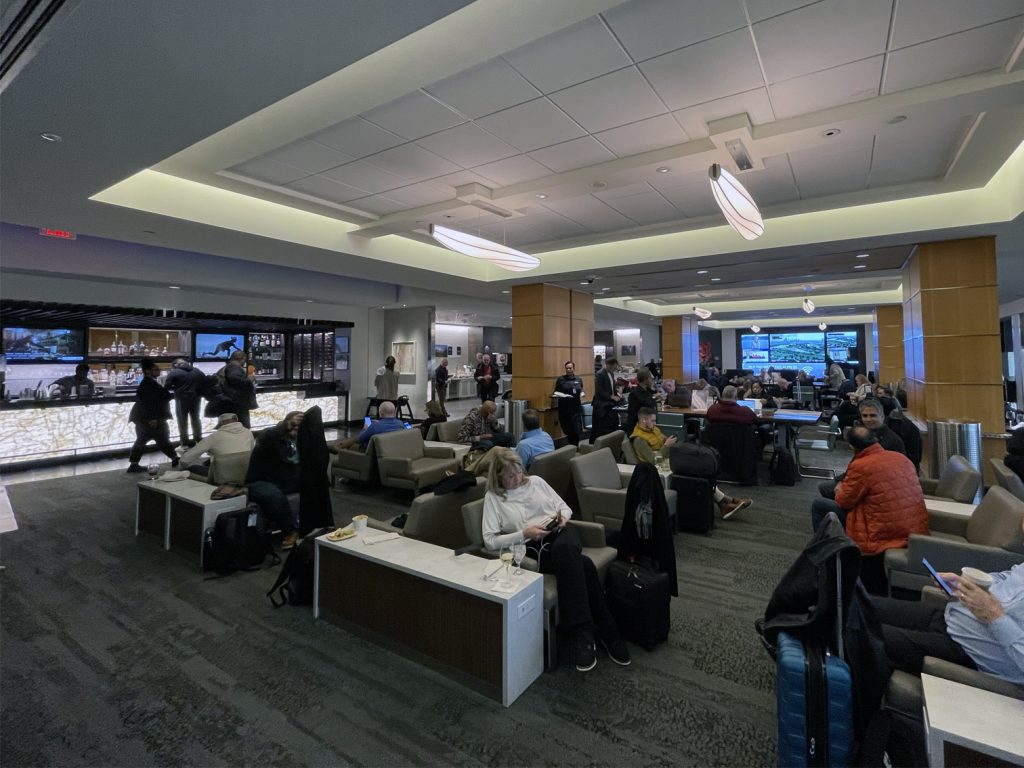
(1007, 478)
(602, 490)
(438, 519)
(405, 462)
(628, 454)
(990, 539)
(556, 469)
(958, 481)
(592, 537)
(229, 468)
(360, 466)
(447, 431)
(612, 440)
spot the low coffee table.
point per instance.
(972, 718)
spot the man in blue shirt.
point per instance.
(386, 423)
(535, 441)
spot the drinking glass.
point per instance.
(518, 553)
(153, 470)
(506, 558)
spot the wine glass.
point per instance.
(518, 553)
(153, 470)
(506, 558)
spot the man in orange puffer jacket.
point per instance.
(879, 501)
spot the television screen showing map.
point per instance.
(798, 351)
(842, 346)
(755, 351)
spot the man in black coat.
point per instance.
(274, 472)
(487, 377)
(606, 397)
(237, 387)
(186, 383)
(150, 414)
(570, 407)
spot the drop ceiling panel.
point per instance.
(269, 171)
(823, 35)
(844, 169)
(533, 125)
(646, 208)
(459, 178)
(513, 170)
(772, 184)
(755, 104)
(916, 152)
(487, 88)
(569, 56)
(692, 200)
(357, 137)
(643, 136)
(467, 145)
(362, 175)
(552, 226)
(378, 205)
(920, 20)
(327, 189)
(419, 194)
(570, 155)
(665, 181)
(412, 162)
(648, 28)
(828, 88)
(309, 155)
(962, 54)
(414, 116)
(713, 70)
(591, 213)
(626, 191)
(610, 101)
(764, 9)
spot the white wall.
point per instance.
(456, 337)
(729, 349)
(629, 337)
(411, 324)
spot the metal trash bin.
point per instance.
(953, 438)
(514, 417)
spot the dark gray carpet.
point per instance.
(115, 652)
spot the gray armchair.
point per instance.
(446, 431)
(1007, 478)
(628, 454)
(405, 462)
(602, 490)
(958, 481)
(592, 537)
(360, 466)
(612, 440)
(990, 539)
(556, 469)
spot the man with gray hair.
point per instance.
(727, 410)
(871, 417)
(386, 423)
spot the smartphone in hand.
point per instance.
(554, 523)
(938, 579)
(366, 422)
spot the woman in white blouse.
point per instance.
(519, 508)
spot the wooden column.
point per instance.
(951, 335)
(550, 325)
(889, 344)
(680, 349)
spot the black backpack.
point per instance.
(237, 542)
(782, 467)
(694, 460)
(294, 584)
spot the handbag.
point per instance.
(227, 491)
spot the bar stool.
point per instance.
(373, 404)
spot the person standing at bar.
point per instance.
(441, 385)
(186, 382)
(487, 378)
(150, 414)
(238, 387)
(570, 406)
(606, 397)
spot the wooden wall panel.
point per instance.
(961, 311)
(528, 328)
(672, 348)
(889, 347)
(954, 263)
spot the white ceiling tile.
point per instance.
(510, 231)
(674, 179)
(692, 199)
(588, 211)
(706, 71)
(513, 170)
(772, 184)
(484, 89)
(377, 205)
(958, 55)
(920, 20)
(647, 208)
(578, 153)
(651, 27)
(764, 9)
(823, 35)
(832, 169)
(610, 101)
(552, 226)
(412, 162)
(755, 104)
(922, 152)
(828, 88)
(309, 155)
(643, 136)
(467, 145)
(533, 125)
(362, 175)
(419, 194)
(269, 171)
(357, 138)
(459, 178)
(327, 189)
(624, 191)
(569, 56)
(413, 116)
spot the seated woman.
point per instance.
(517, 509)
(648, 441)
(864, 388)
(435, 415)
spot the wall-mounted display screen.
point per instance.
(341, 344)
(44, 344)
(842, 346)
(218, 346)
(756, 351)
(798, 350)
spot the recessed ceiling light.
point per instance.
(174, 287)
(585, 282)
(149, 231)
(542, 196)
(861, 266)
(597, 185)
(606, 289)
(403, 305)
(309, 301)
(862, 255)
(663, 169)
(52, 137)
(506, 291)
(828, 133)
(897, 119)
(716, 279)
(702, 271)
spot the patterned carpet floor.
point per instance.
(115, 652)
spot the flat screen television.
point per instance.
(341, 345)
(842, 346)
(756, 352)
(801, 351)
(44, 344)
(218, 346)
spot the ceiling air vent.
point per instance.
(739, 154)
(493, 209)
(25, 27)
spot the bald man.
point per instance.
(386, 423)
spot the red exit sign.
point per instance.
(63, 234)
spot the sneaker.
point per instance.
(585, 653)
(617, 651)
(733, 506)
(175, 462)
(136, 468)
(290, 540)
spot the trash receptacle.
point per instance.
(953, 438)
(514, 417)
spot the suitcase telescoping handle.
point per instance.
(839, 607)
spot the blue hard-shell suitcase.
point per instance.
(814, 705)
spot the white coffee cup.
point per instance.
(359, 523)
(976, 575)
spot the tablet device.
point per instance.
(938, 579)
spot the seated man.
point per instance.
(481, 429)
(879, 501)
(729, 411)
(978, 629)
(535, 441)
(647, 440)
(79, 384)
(274, 473)
(386, 423)
(871, 417)
(230, 436)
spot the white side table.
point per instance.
(971, 717)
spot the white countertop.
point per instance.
(949, 507)
(975, 718)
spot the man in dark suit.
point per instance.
(606, 397)
(149, 415)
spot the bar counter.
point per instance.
(37, 430)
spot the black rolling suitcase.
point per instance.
(695, 507)
(638, 597)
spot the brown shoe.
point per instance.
(290, 540)
(733, 506)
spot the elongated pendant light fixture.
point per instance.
(736, 203)
(808, 306)
(702, 313)
(755, 328)
(822, 326)
(481, 248)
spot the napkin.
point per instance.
(377, 538)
